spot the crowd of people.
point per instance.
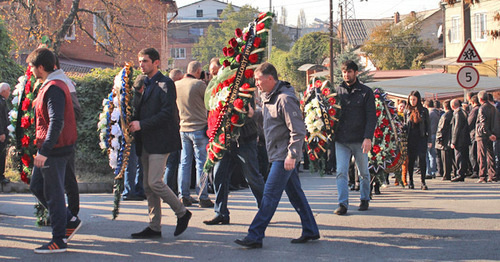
(170, 148)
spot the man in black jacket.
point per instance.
(485, 136)
(354, 135)
(4, 132)
(443, 139)
(471, 121)
(459, 139)
(156, 127)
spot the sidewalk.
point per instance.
(450, 221)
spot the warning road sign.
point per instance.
(469, 54)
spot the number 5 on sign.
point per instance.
(467, 77)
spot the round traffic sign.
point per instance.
(467, 77)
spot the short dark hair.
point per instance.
(139, 82)
(267, 69)
(429, 103)
(437, 104)
(490, 97)
(446, 104)
(349, 64)
(42, 57)
(474, 100)
(151, 52)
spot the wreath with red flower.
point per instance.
(22, 128)
(321, 113)
(385, 140)
(233, 87)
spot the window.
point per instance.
(196, 31)
(199, 13)
(455, 30)
(101, 22)
(219, 12)
(178, 53)
(70, 35)
(480, 26)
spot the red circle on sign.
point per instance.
(467, 77)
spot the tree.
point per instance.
(312, 48)
(349, 54)
(396, 46)
(301, 19)
(29, 21)
(9, 69)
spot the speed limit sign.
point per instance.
(467, 77)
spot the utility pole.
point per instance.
(341, 27)
(331, 43)
(270, 39)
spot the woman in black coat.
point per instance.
(417, 124)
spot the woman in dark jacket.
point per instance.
(417, 124)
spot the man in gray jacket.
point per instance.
(284, 131)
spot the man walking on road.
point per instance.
(459, 140)
(156, 128)
(485, 136)
(354, 135)
(284, 131)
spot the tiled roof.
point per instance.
(357, 31)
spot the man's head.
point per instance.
(474, 100)
(42, 62)
(149, 60)
(349, 72)
(437, 104)
(176, 74)
(194, 69)
(214, 66)
(5, 90)
(266, 77)
(139, 83)
(446, 105)
(470, 95)
(455, 104)
(483, 97)
(429, 103)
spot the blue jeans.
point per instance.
(278, 180)
(47, 184)
(224, 168)
(170, 176)
(133, 175)
(192, 143)
(431, 158)
(343, 153)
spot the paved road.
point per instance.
(450, 221)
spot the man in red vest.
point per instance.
(55, 139)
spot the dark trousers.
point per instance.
(461, 158)
(473, 158)
(47, 184)
(263, 160)
(439, 163)
(486, 159)
(331, 161)
(3, 155)
(71, 186)
(447, 156)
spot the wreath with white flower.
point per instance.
(321, 113)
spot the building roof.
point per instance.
(437, 86)
(357, 31)
(380, 75)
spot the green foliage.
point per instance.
(211, 44)
(9, 69)
(349, 54)
(396, 46)
(92, 89)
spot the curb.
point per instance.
(83, 188)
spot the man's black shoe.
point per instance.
(304, 239)
(147, 233)
(364, 205)
(217, 220)
(341, 210)
(458, 179)
(248, 243)
(182, 223)
(133, 198)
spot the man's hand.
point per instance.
(40, 160)
(250, 111)
(289, 163)
(2, 138)
(366, 146)
(429, 145)
(493, 138)
(452, 146)
(134, 126)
